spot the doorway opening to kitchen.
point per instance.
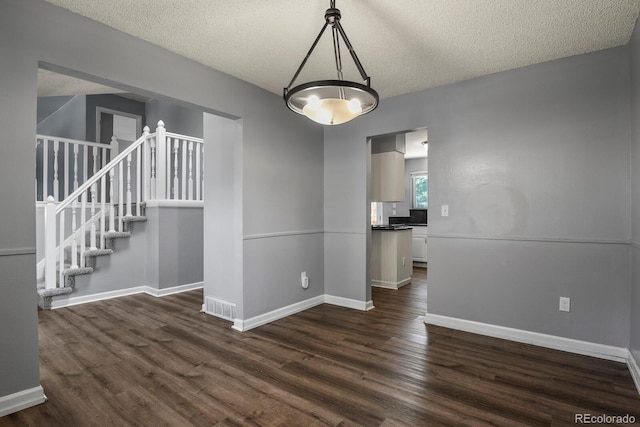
(399, 200)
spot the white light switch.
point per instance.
(565, 304)
(444, 210)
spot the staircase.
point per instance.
(158, 166)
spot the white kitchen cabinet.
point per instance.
(419, 243)
(387, 177)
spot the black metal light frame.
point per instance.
(342, 87)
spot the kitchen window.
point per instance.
(419, 190)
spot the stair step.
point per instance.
(133, 218)
(77, 271)
(43, 292)
(97, 252)
(117, 234)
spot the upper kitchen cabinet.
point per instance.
(387, 168)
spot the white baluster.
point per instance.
(112, 213)
(153, 169)
(66, 166)
(95, 160)
(129, 185)
(183, 193)
(56, 189)
(45, 168)
(85, 163)
(176, 181)
(190, 170)
(50, 243)
(203, 162)
(74, 242)
(119, 192)
(103, 198)
(61, 250)
(198, 173)
(138, 179)
(92, 231)
(75, 167)
(83, 230)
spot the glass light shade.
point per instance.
(332, 102)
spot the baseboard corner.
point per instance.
(21, 400)
(348, 302)
(634, 369)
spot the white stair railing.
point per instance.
(62, 164)
(144, 171)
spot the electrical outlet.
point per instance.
(444, 210)
(565, 304)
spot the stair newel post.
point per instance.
(190, 170)
(176, 181)
(50, 243)
(93, 218)
(146, 150)
(129, 185)
(74, 242)
(112, 212)
(161, 162)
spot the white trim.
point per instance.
(62, 302)
(618, 354)
(174, 204)
(281, 234)
(253, 322)
(21, 400)
(174, 289)
(348, 303)
(390, 285)
(632, 363)
(532, 239)
(100, 110)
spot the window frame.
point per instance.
(415, 175)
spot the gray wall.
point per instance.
(164, 252)
(176, 118)
(532, 162)
(67, 121)
(33, 32)
(634, 299)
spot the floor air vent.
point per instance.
(219, 308)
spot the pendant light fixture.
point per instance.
(332, 102)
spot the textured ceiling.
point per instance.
(404, 45)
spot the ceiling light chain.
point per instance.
(332, 102)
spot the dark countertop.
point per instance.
(392, 227)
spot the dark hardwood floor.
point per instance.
(148, 361)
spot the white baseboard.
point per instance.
(174, 289)
(390, 285)
(69, 301)
(254, 322)
(348, 303)
(634, 368)
(263, 319)
(618, 354)
(21, 400)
